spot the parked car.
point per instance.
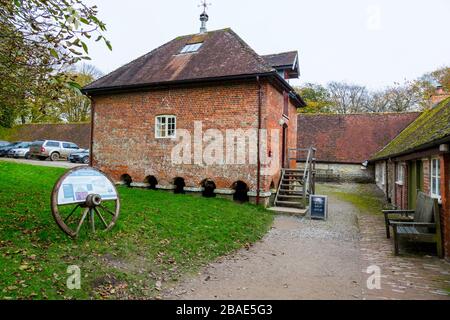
(4, 143)
(55, 150)
(22, 150)
(80, 157)
(4, 150)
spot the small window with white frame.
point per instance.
(380, 173)
(435, 178)
(191, 47)
(165, 126)
(400, 178)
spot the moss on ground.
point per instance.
(365, 197)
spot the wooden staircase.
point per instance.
(290, 189)
(296, 185)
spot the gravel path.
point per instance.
(298, 259)
(47, 163)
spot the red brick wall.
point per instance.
(124, 130)
(273, 113)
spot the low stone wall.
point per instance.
(339, 172)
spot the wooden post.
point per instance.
(396, 240)
(445, 196)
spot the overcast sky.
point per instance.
(369, 42)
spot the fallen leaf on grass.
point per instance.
(24, 267)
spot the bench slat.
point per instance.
(407, 230)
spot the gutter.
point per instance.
(258, 177)
(91, 143)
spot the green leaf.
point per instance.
(108, 44)
(85, 47)
(74, 84)
(18, 3)
(84, 20)
(54, 53)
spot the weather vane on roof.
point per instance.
(205, 5)
(204, 17)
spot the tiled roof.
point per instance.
(222, 54)
(281, 59)
(432, 126)
(351, 138)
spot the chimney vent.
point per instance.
(439, 95)
(203, 18)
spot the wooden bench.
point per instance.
(420, 225)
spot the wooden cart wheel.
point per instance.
(74, 201)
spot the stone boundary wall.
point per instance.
(79, 133)
(339, 172)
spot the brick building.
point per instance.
(419, 159)
(199, 84)
(345, 142)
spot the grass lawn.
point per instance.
(365, 197)
(159, 238)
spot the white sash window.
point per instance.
(435, 178)
(165, 127)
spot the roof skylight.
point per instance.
(192, 47)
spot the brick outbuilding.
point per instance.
(418, 159)
(345, 141)
(176, 117)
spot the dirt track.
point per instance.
(304, 259)
(298, 259)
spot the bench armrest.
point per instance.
(411, 224)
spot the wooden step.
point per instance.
(290, 196)
(292, 191)
(289, 203)
(288, 211)
(291, 183)
(288, 185)
(293, 175)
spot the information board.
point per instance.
(80, 183)
(318, 207)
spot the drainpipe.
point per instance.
(258, 156)
(91, 149)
